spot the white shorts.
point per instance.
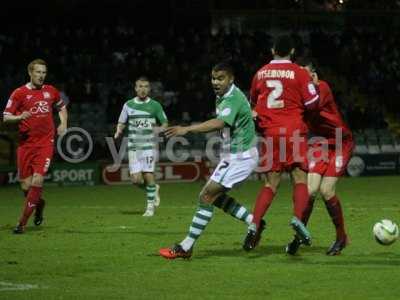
(236, 168)
(142, 161)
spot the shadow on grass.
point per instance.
(260, 251)
(366, 261)
(122, 231)
(9, 228)
(290, 260)
(132, 212)
(317, 257)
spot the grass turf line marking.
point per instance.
(9, 286)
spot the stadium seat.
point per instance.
(373, 145)
(361, 147)
(387, 145)
(370, 133)
(383, 132)
(397, 145)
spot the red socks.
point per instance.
(303, 207)
(300, 200)
(31, 201)
(266, 195)
(308, 211)
(264, 200)
(335, 211)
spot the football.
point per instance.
(386, 232)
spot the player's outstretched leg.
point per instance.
(300, 204)
(157, 196)
(31, 201)
(176, 251)
(313, 182)
(335, 212)
(301, 231)
(300, 200)
(234, 208)
(21, 229)
(337, 246)
(295, 244)
(255, 229)
(263, 202)
(151, 194)
(38, 217)
(200, 220)
(253, 236)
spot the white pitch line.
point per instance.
(9, 286)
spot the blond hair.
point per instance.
(34, 62)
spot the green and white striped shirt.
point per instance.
(239, 132)
(142, 117)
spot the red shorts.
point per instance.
(281, 153)
(332, 164)
(33, 160)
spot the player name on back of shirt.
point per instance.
(289, 74)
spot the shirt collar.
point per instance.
(31, 87)
(228, 93)
(280, 61)
(137, 101)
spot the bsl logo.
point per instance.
(40, 107)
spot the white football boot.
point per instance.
(149, 211)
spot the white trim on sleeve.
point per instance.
(312, 100)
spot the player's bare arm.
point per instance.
(207, 126)
(8, 118)
(119, 130)
(160, 128)
(63, 115)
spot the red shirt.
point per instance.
(280, 92)
(38, 129)
(328, 119)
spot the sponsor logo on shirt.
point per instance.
(28, 97)
(311, 89)
(226, 112)
(40, 107)
(46, 95)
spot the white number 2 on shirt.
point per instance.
(277, 89)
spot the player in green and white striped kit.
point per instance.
(142, 115)
(238, 160)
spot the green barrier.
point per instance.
(62, 174)
(374, 165)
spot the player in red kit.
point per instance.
(330, 151)
(31, 106)
(281, 92)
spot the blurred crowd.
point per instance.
(97, 65)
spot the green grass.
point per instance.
(96, 245)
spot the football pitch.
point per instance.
(95, 244)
